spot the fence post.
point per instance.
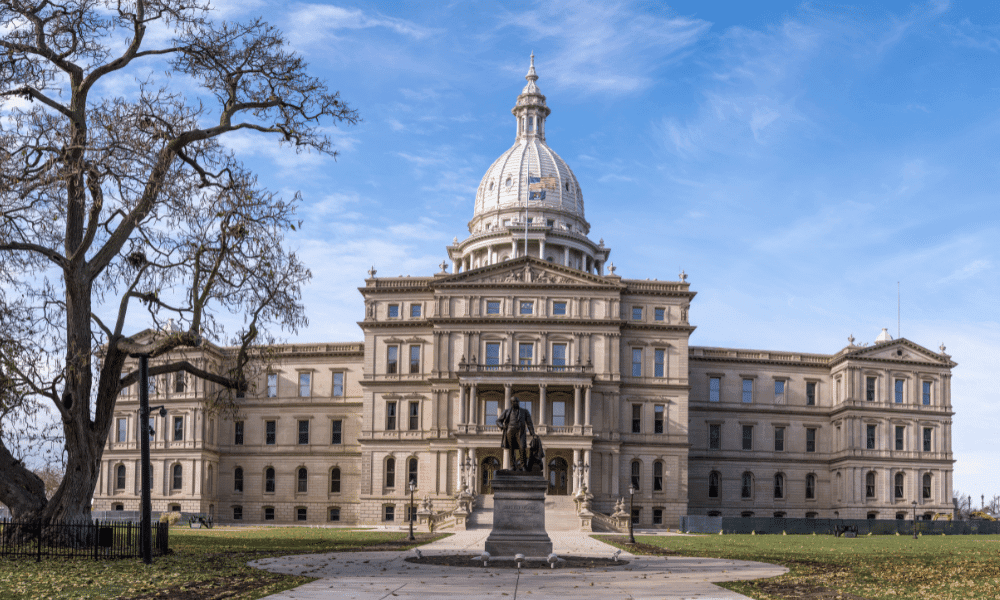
(38, 558)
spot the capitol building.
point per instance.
(529, 306)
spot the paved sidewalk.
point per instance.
(386, 575)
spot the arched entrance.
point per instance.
(558, 468)
(490, 465)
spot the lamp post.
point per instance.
(413, 487)
(631, 512)
(914, 519)
(146, 504)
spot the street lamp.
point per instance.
(914, 519)
(413, 487)
(631, 513)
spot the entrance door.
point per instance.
(557, 477)
(489, 466)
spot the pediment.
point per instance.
(527, 271)
(901, 350)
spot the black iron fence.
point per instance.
(91, 539)
(776, 525)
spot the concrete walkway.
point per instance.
(385, 575)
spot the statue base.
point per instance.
(518, 515)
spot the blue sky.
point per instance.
(797, 160)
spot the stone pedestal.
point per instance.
(518, 515)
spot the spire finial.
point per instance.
(532, 76)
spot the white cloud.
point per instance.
(968, 271)
(311, 23)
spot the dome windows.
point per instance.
(491, 186)
(509, 182)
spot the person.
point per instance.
(515, 422)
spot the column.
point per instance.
(506, 396)
(473, 407)
(513, 246)
(600, 268)
(576, 471)
(461, 405)
(586, 405)
(615, 473)
(542, 409)
(458, 471)
(586, 469)
(541, 248)
(566, 256)
(577, 406)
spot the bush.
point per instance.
(170, 518)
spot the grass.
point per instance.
(206, 564)
(826, 567)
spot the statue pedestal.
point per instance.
(518, 515)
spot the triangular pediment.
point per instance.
(527, 271)
(900, 350)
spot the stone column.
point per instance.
(458, 471)
(576, 471)
(615, 473)
(506, 396)
(586, 405)
(541, 248)
(473, 407)
(588, 465)
(461, 405)
(566, 256)
(513, 246)
(577, 406)
(542, 409)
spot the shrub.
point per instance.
(170, 518)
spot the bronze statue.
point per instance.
(514, 423)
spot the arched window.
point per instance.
(713, 484)
(120, 478)
(178, 477)
(746, 487)
(238, 479)
(658, 476)
(269, 480)
(303, 479)
(411, 471)
(335, 481)
(779, 485)
(898, 492)
(636, 468)
(390, 472)
(870, 484)
(810, 486)
(927, 486)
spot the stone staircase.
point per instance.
(560, 514)
(482, 516)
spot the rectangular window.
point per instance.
(493, 353)
(300, 514)
(238, 433)
(151, 428)
(657, 516)
(305, 385)
(636, 313)
(927, 439)
(527, 308)
(870, 389)
(748, 437)
(389, 513)
(899, 391)
(272, 385)
(779, 391)
(414, 359)
(178, 429)
(559, 308)
(748, 391)
(714, 388)
(636, 512)
(927, 393)
(390, 416)
(152, 385)
(900, 433)
(490, 414)
(715, 436)
(393, 311)
(779, 439)
(414, 416)
(414, 310)
(303, 432)
(636, 418)
(636, 362)
(270, 432)
(268, 513)
(658, 418)
(810, 439)
(180, 384)
(237, 513)
(334, 514)
(559, 355)
(122, 430)
(493, 307)
(558, 413)
(870, 437)
(338, 384)
(337, 437)
(658, 314)
(392, 359)
(811, 393)
(659, 355)
(550, 223)
(524, 352)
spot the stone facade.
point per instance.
(531, 308)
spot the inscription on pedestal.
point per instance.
(518, 515)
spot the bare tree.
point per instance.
(112, 205)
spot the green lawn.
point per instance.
(206, 564)
(876, 567)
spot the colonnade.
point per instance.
(468, 404)
(493, 251)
